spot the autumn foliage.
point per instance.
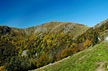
(87, 43)
(64, 53)
(43, 49)
(43, 60)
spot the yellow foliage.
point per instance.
(74, 44)
(87, 43)
(2, 67)
(48, 41)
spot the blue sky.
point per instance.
(28, 13)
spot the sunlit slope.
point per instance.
(73, 29)
(91, 59)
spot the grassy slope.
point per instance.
(91, 59)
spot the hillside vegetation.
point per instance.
(31, 45)
(47, 43)
(91, 59)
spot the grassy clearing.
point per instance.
(87, 60)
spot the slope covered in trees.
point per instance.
(91, 59)
(44, 44)
(31, 45)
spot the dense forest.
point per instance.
(22, 52)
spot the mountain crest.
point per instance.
(101, 23)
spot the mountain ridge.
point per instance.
(49, 27)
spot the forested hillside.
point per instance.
(91, 59)
(31, 45)
(34, 47)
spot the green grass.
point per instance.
(83, 61)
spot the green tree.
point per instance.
(95, 39)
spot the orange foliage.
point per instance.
(58, 57)
(43, 60)
(2, 67)
(75, 49)
(64, 53)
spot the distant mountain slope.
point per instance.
(91, 59)
(62, 27)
